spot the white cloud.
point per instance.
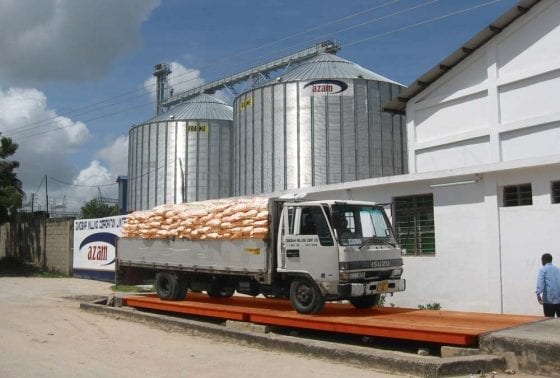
(66, 40)
(180, 79)
(48, 149)
(116, 156)
(62, 40)
(95, 174)
(93, 181)
(44, 147)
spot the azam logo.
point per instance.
(327, 86)
(105, 237)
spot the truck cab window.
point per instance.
(307, 226)
(313, 222)
(355, 224)
(290, 221)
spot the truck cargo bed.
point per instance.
(245, 257)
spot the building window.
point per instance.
(518, 195)
(414, 224)
(555, 191)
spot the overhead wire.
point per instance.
(79, 185)
(105, 115)
(20, 132)
(422, 22)
(351, 43)
(322, 25)
(111, 184)
(225, 59)
(382, 18)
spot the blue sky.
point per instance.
(73, 73)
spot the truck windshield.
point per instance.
(359, 224)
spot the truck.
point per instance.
(315, 251)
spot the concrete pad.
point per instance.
(451, 351)
(257, 328)
(535, 346)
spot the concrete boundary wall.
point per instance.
(59, 245)
(45, 243)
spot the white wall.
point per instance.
(499, 104)
(526, 233)
(456, 276)
(487, 256)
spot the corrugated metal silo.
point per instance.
(320, 123)
(181, 155)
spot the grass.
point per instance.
(48, 274)
(132, 288)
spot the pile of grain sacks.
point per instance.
(224, 219)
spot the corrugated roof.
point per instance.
(329, 66)
(201, 107)
(398, 105)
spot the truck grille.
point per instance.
(378, 275)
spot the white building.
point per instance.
(482, 200)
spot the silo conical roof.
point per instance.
(330, 66)
(203, 107)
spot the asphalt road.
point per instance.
(43, 333)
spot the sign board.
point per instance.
(95, 243)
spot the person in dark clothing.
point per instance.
(308, 226)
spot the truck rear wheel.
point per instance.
(367, 301)
(170, 286)
(306, 297)
(220, 290)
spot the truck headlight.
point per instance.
(396, 272)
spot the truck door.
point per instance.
(308, 245)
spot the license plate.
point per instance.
(383, 286)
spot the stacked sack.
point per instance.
(224, 219)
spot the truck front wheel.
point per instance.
(306, 297)
(367, 301)
(170, 286)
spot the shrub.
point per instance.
(15, 266)
(430, 306)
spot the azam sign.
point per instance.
(95, 241)
(325, 87)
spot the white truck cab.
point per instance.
(338, 250)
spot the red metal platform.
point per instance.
(443, 327)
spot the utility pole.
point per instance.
(47, 193)
(44, 249)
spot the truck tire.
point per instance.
(181, 291)
(220, 290)
(306, 297)
(170, 286)
(367, 301)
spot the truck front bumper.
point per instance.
(359, 289)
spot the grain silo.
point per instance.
(320, 123)
(181, 155)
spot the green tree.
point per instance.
(97, 209)
(11, 192)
